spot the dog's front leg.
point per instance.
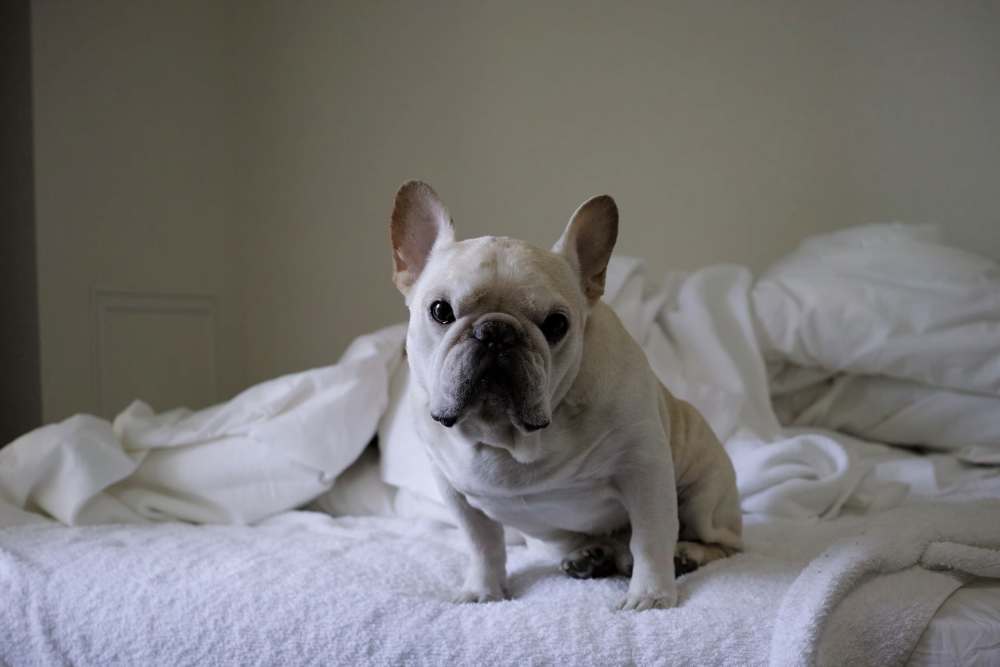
(486, 573)
(648, 491)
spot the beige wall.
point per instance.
(727, 131)
(918, 123)
(134, 181)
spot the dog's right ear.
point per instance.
(419, 223)
(588, 241)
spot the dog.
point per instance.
(540, 412)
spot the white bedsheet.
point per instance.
(889, 410)
(272, 448)
(965, 630)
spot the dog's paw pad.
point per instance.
(590, 562)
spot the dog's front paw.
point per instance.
(483, 587)
(481, 594)
(643, 599)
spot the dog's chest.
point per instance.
(590, 508)
(567, 488)
(539, 499)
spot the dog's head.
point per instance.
(496, 325)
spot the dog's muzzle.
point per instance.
(496, 335)
(496, 370)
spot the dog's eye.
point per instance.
(555, 327)
(441, 311)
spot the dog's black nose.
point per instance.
(535, 427)
(445, 420)
(495, 334)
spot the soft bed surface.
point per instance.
(965, 630)
(305, 588)
(308, 589)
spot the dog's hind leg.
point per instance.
(598, 557)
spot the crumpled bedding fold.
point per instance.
(274, 447)
(888, 333)
(714, 337)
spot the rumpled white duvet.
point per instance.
(881, 332)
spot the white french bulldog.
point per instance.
(540, 412)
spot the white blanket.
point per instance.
(886, 332)
(278, 445)
(274, 447)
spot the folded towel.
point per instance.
(841, 611)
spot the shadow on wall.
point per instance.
(20, 381)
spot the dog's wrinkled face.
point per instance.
(490, 332)
(496, 325)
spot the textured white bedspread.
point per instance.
(305, 588)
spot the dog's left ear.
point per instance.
(588, 241)
(419, 223)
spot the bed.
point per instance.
(273, 529)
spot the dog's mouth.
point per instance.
(495, 388)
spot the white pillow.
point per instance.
(898, 412)
(886, 299)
